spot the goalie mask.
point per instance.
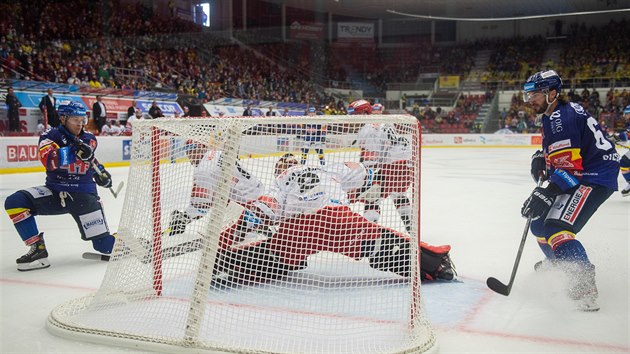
(195, 151)
(286, 161)
(360, 107)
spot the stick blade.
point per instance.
(96, 256)
(495, 285)
(118, 189)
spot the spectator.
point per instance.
(131, 110)
(155, 111)
(40, 127)
(285, 113)
(186, 112)
(270, 112)
(117, 128)
(248, 111)
(99, 113)
(137, 116)
(106, 130)
(48, 106)
(13, 110)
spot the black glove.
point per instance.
(539, 166)
(102, 177)
(179, 220)
(84, 152)
(540, 201)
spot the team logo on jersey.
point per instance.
(576, 203)
(558, 145)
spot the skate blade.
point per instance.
(34, 265)
(586, 305)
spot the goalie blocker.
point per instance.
(271, 257)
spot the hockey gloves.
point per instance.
(539, 166)
(540, 201)
(179, 220)
(101, 176)
(84, 152)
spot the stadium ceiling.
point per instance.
(457, 9)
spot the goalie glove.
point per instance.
(101, 176)
(178, 223)
(540, 201)
(539, 166)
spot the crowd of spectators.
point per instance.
(114, 45)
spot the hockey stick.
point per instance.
(120, 185)
(493, 283)
(77, 141)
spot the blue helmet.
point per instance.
(626, 110)
(69, 108)
(543, 80)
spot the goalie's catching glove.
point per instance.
(540, 201)
(101, 176)
(179, 220)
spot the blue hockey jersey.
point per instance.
(576, 149)
(64, 171)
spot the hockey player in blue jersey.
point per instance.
(314, 136)
(581, 167)
(67, 153)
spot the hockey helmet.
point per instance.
(195, 151)
(626, 110)
(360, 107)
(377, 108)
(286, 161)
(542, 81)
(69, 108)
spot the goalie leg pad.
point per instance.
(253, 264)
(391, 254)
(435, 263)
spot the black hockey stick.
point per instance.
(493, 283)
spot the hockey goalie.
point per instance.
(305, 211)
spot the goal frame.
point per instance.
(190, 341)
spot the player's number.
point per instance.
(600, 140)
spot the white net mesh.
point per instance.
(233, 238)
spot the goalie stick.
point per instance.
(493, 283)
(169, 252)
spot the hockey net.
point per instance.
(234, 279)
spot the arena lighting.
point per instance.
(505, 18)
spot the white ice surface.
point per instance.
(471, 199)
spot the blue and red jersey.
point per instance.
(64, 171)
(577, 150)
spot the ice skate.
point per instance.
(582, 287)
(545, 265)
(626, 191)
(35, 258)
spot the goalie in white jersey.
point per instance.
(245, 189)
(384, 148)
(308, 210)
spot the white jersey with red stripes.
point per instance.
(245, 187)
